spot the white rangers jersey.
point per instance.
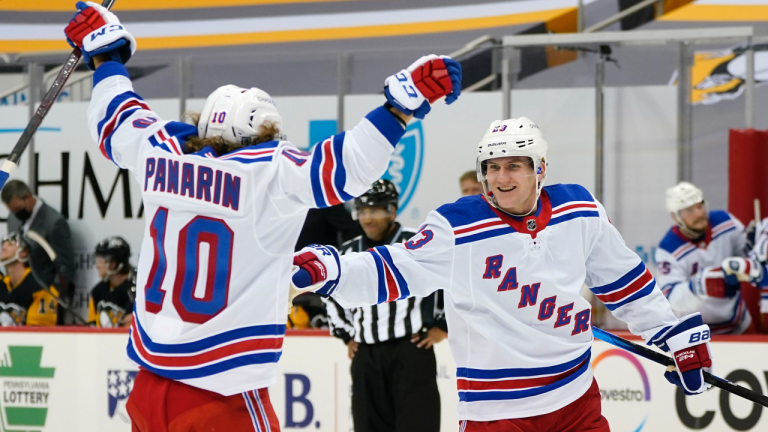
(679, 259)
(215, 263)
(519, 329)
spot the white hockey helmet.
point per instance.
(235, 114)
(514, 137)
(683, 195)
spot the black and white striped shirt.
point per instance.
(386, 321)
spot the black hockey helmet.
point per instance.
(382, 193)
(114, 249)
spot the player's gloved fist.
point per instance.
(738, 269)
(96, 30)
(314, 267)
(712, 282)
(428, 79)
(688, 341)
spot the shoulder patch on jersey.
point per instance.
(472, 219)
(716, 217)
(721, 222)
(560, 194)
(674, 244)
(466, 210)
(570, 201)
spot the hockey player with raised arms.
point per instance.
(512, 263)
(701, 262)
(225, 201)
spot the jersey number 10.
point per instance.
(219, 237)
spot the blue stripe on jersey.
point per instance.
(156, 143)
(622, 281)
(113, 105)
(340, 179)
(109, 69)
(314, 174)
(210, 342)
(382, 291)
(261, 146)
(667, 289)
(690, 251)
(671, 242)
(120, 119)
(249, 161)
(402, 284)
(723, 232)
(566, 217)
(466, 210)
(182, 131)
(521, 372)
(716, 217)
(638, 295)
(560, 194)
(383, 120)
(223, 366)
(466, 396)
(484, 235)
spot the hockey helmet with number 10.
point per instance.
(235, 114)
(514, 137)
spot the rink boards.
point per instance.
(78, 380)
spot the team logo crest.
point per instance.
(717, 76)
(405, 166)
(531, 223)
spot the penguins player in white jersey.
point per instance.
(701, 262)
(225, 200)
(512, 263)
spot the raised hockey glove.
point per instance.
(688, 341)
(96, 30)
(413, 90)
(712, 282)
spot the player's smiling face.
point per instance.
(513, 183)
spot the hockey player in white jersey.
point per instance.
(757, 247)
(701, 261)
(225, 201)
(512, 263)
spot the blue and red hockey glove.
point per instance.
(688, 341)
(316, 268)
(96, 30)
(714, 282)
(413, 90)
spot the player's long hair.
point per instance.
(267, 132)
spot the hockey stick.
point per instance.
(12, 162)
(756, 204)
(37, 238)
(667, 361)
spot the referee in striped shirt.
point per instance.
(394, 370)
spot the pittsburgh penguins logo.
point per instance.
(110, 314)
(531, 224)
(717, 76)
(12, 315)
